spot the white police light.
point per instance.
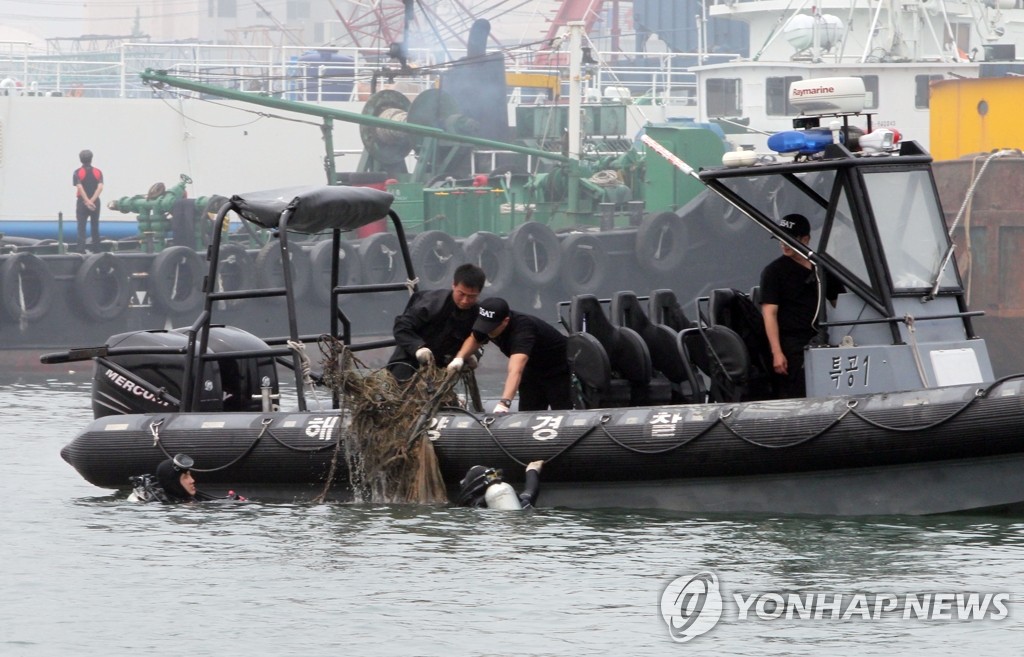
(881, 140)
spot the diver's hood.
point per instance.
(169, 477)
(473, 486)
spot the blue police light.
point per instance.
(804, 142)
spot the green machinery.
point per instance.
(154, 210)
(463, 183)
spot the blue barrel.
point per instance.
(324, 74)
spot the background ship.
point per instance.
(682, 70)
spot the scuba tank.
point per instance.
(502, 496)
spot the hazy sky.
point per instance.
(520, 20)
(45, 18)
(64, 18)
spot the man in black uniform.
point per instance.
(537, 363)
(88, 183)
(789, 305)
(435, 323)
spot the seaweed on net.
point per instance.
(390, 459)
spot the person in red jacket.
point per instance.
(88, 183)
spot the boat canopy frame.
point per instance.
(303, 210)
(876, 287)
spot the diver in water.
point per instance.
(172, 484)
(483, 487)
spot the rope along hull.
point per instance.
(934, 451)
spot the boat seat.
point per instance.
(738, 311)
(674, 379)
(664, 308)
(593, 341)
(719, 353)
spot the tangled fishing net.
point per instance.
(389, 457)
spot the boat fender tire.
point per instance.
(584, 264)
(176, 280)
(350, 269)
(732, 222)
(435, 255)
(381, 258)
(661, 243)
(270, 273)
(535, 253)
(26, 287)
(487, 251)
(210, 210)
(235, 270)
(103, 287)
(13, 240)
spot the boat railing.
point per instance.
(316, 75)
(902, 320)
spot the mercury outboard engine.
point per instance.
(130, 382)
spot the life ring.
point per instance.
(26, 287)
(381, 258)
(661, 242)
(234, 270)
(176, 280)
(76, 90)
(103, 287)
(270, 273)
(535, 253)
(584, 264)
(487, 251)
(435, 255)
(350, 269)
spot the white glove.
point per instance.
(424, 355)
(500, 409)
(456, 365)
(472, 362)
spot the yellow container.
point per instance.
(975, 116)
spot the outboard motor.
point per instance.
(126, 384)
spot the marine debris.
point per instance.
(389, 456)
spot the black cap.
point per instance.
(493, 312)
(795, 224)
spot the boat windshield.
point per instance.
(843, 244)
(809, 194)
(910, 227)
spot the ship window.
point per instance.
(910, 227)
(777, 95)
(871, 87)
(923, 91)
(724, 97)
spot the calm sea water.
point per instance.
(85, 573)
